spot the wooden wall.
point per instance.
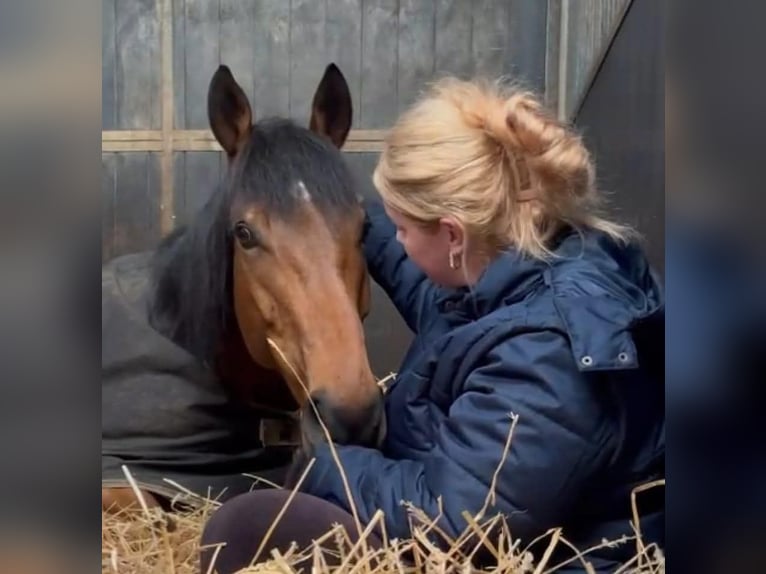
(623, 120)
(278, 49)
(589, 26)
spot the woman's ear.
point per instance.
(455, 232)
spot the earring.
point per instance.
(454, 264)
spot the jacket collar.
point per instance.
(587, 264)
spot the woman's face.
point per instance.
(429, 247)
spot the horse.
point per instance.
(251, 313)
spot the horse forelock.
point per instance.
(283, 165)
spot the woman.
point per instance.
(524, 300)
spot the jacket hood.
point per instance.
(601, 289)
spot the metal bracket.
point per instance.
(280, 432)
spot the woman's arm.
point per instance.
(555, 447)
(404, 283)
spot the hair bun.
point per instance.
(553, 153)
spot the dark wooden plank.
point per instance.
(271, 59)
(622, 119)
(362, 165)
(179, 189)
(237, 50)
(137, 65)
(379, 63)
(552, 53)
(454, 41)
(202, 58)
(591, 26)
(108, 66)
(179, 64)
(525, 49)
(201, 175)
(137, 202)
(108, 190)
(343, 45)
(490, 28)
(386, 334)
(417, 43)
(307, 55)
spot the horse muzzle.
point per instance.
(364, 426)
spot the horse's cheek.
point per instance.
(249, 318)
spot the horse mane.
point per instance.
(192, 300)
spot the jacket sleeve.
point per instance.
(553, 447)
(404, 283)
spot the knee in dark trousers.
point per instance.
(239, 526)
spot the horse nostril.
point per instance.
(363, 425)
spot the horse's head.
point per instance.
(300, 287)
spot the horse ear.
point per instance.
(331, 109)
(228, 111)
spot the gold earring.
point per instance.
(452, 263)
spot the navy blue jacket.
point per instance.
(573, 346)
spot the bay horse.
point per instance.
(240, 316)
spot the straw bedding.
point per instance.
(151, 541)
(156, 542)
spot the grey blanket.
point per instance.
(164, 414)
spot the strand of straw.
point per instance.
(333, 451)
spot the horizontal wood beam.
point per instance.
(203, 140)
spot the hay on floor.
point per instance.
(153, 541)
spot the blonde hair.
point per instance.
(496, 160)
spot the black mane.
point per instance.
(191, 301)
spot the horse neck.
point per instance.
(247, 381)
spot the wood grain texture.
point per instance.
(201, 45)
(179, 64)
(489, 36)
(137, 64)
(307, 55)
(623, 119)
(203, 140)
(525, 48)
(271, 59)
(108, 194)
(591, 26)
(237, 45)
(165, 11)
(343, 45)
(552, 53)
(108, 65)
(417, 44)
(180, 215)
(136, 202)
(379, 63)
(454, 40)
(202, 172)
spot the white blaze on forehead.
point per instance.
(302, 192)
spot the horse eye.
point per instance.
(245, 235)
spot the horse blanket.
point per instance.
(165, 415)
